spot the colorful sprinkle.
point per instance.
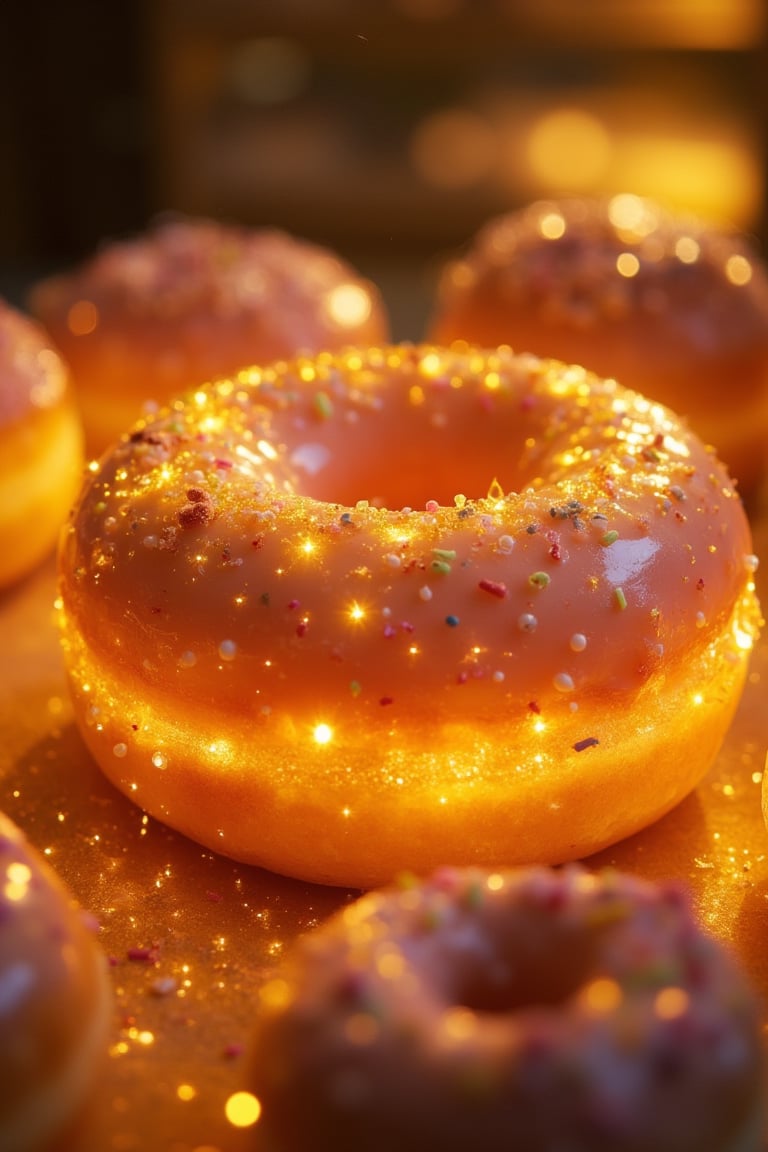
(441, 566)
(452, 621)
(323, 405)
(527, 622)
(610, 538)
(425, 593)
(355, 687)
(620, 598)
(539, 579)
(494, 587)
(578, 642)
(444, 553)
(563, 682)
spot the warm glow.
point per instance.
(18, 877)
(349, 305)
(568, 149)
(671, 1003)
(242, 1109)
(738, 270)
(627, 264)
(687, 250)
(602, 996)
(356, 612)
(322, 734)
(552, 226)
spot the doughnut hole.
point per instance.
(413, 446)
(520, 966)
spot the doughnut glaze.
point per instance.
(41, 449)
(528, 1011)
(192, 299)
(430, 605)
(669, 305)
(55, 1004)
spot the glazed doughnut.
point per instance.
(41, 449)
(190, 300)
(670, 306)
(433, 606)
(527, 1011)
(55, 1004)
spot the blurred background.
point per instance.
(386, 129)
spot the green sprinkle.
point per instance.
(444, 553)
(323, 405)
(355, 687)
(610, 538)
(539, 579)
(452, 621)
(621, 599)
(440, 566)
(406, 880)
(474, 894)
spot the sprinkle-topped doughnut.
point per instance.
(54, 999)
(191, 300)
(432, 606)
(41, 445)
(670, 305)
(527, 1011)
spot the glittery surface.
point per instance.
(193, 936)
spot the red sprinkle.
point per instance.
(534, 707)
(386, 700)
(494, 587)
(144, 955)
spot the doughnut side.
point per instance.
(41, 446)
(521, 1010)
(528, 674)
(56, 1004)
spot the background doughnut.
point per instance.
(190, 300)
(671, 306)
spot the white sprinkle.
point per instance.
(227, 650)
(578, 642)
(187, 660)
(563, 682)
(393, 560)
(120, 750)
(150, 541)
(158, 760)
(425, 593)
(701, 620)
(527, 622)
(752, 563)
(386, 612)
(498, 676)
(573, 706)
(505, 544)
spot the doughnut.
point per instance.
(41, 451)
(673, 307)
(527, 1010)
(437, 607)
(55, 1004)
(192, 299)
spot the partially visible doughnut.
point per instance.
(405, 606)
(55, 1003)
(526, 1011)
(191, 300)
(671, 306)
(41, 445)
